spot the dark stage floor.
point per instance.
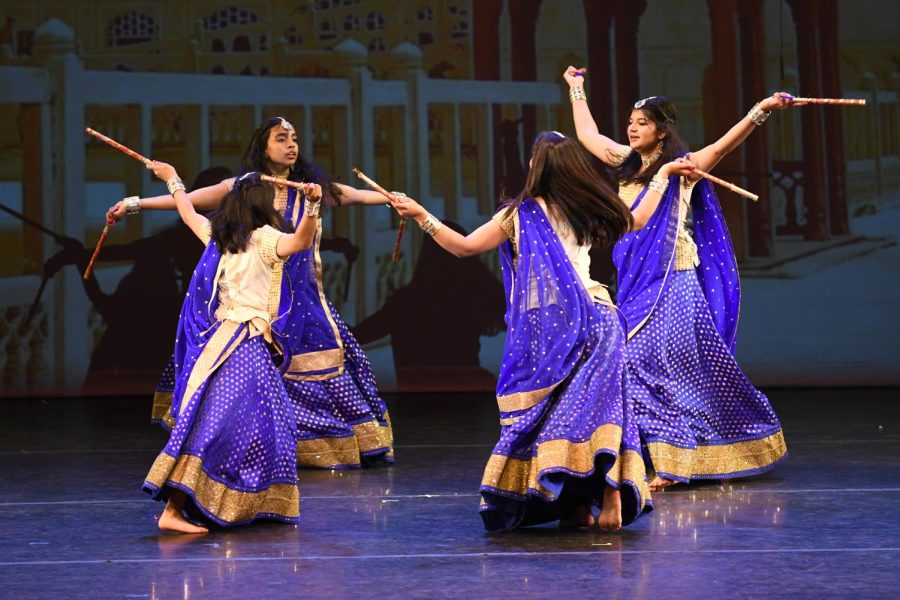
(73, 521)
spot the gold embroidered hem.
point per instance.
(719, 461)
(517, 476)
(316, 361)
(325, 453)
(217, 499)
(162, 409)
(523, 400)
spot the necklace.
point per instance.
(652, 158)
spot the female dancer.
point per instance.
(230, 458)
(567, 440)
(342, 421)
(698, 414)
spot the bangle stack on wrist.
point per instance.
(132, 205)
(174, 185)
(659, 183)
(758, 115)
(430, 224)
(577, 93)
(312, 208)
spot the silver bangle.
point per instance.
(659, 183)
(430, 224)
(399, 195)
(132, 205)
(312, 208)
(757, 115)
(577, 93)
(174, 185)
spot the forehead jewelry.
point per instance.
(641, 103)
(284, 123)
(558, 133)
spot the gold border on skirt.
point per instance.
(329, 452)
(722, 459)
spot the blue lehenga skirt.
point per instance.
(560, 453)
(342, 422)
(699, 416)
(232, 448)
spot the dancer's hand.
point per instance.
(408, 208)
(116, 212)
(574, 77)
(680, 166)
(163, 171)
(779, 101)
(313, 191)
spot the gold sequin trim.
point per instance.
(231, 506)
(316, 361)
(518, 476)
(206, 233)
(162, 408)
(267, 247)
(330, 452)
(322, 300)
(217, 349)
(523, 400)
(721, 459)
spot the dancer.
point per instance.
(698, 414)
(343, 423)
(230, 458)
(567, 439)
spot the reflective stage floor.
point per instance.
(74, 523)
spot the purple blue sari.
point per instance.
(699, 416)
(232, 447)
(342, 422)
(565, 428)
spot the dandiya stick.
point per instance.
(838, 101)
(132, 154)
(726, 184)
(117, 145)
(395, 256)
(281, 181)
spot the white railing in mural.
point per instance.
(58, 350)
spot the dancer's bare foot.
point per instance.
(580, 517)
(611, 511)
(659, 483)
(173, 520)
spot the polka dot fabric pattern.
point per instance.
(241, 427)
(560, 453)
(690, 395)
(342, 422)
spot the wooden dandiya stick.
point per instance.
(282, 181)
(125, 149)
(117, 145)
(839, 101)
(395, 255)
(726, 184)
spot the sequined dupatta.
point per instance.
(547, 314)
(644, 260)
(305, 328)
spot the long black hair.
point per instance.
(661, 111)
(574, 190)
(303, 170)
(249, 205)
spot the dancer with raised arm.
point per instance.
(698, 414)
(230, 458)
(342, 421)
(568, 441)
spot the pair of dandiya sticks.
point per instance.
(276, 180)
(396, 253)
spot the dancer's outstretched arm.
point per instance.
(195, 221)
(351, 196)
(606, 149)
(708, 157)
(206, 198)
(487, 237)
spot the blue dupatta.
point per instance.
(547, 315)
(645, 260)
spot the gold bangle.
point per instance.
(577, 93)
(430, 224)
